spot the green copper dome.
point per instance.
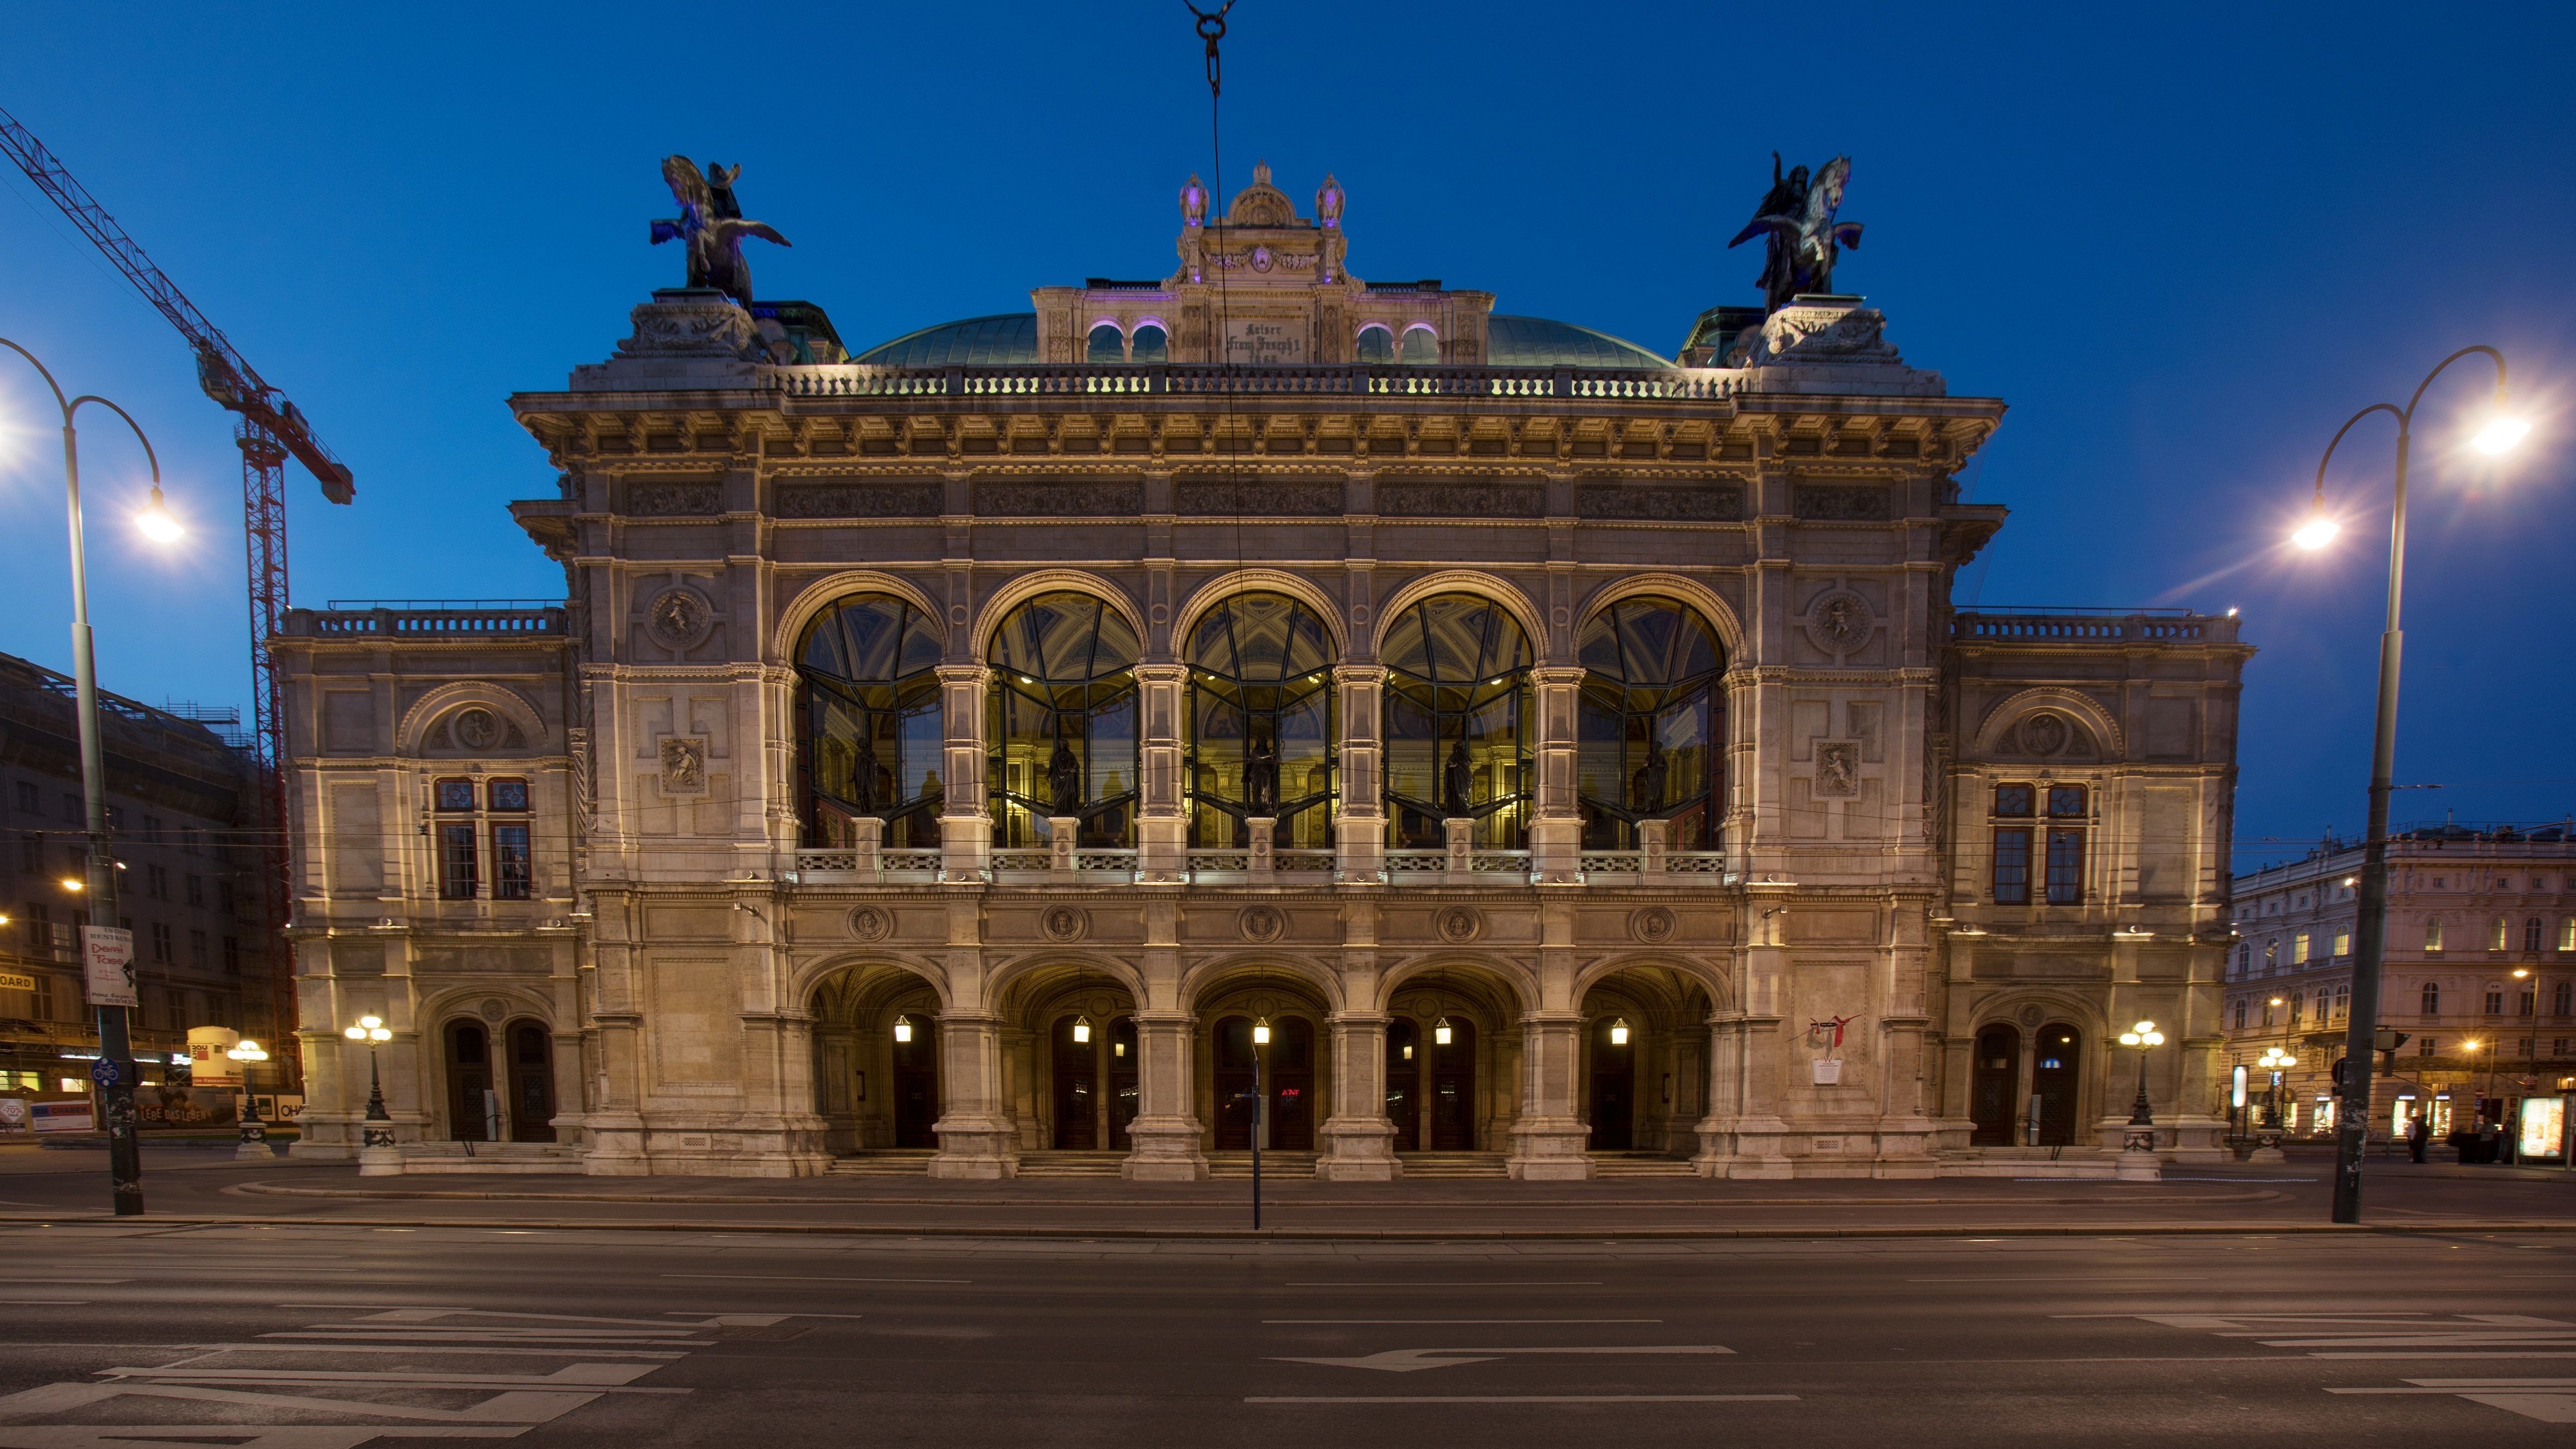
(1011, 339)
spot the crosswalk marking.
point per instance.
(2415, 1336)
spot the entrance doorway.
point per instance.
(2057, 1082)
(1286, 1076)
(473, 1106)
(1994, 1086)
(1614, 1086)
(916, 1082)
(1404, 1084)
(532, 1081)
(1096, 1092)
(1453, 1086)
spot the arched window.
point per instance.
(2240, 1013)
(2432, 1002)
(1458, 726)
(1106, 344)
(1376, 345)
(2343, 1002)
(1651, 732)
(2495, 934)
(2433, 934)
(1261, 723)
(2531, 935)
(871, 722)
(2298, 1006)
(1150, 344)
(1063, 722)
(1421, 347)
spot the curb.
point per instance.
(258, 1189)
(1182, 1235)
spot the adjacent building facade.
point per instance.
(2479, 973)
(1509, 748)
(183, 801)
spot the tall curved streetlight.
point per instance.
(114, 1070)
(2499, 432)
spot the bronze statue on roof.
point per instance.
(1802, 240)
(711, 226)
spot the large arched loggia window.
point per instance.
(1261, 723)
(1651, 738)
(1063, 722)
(871, 722)
(1458, 727)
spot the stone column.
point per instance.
(974, 1132)
(1359, 1141)
(1359, 831)
(1260, 866)
(1162, 822)
(965, 830)
(1549, 1139)
(1556, 836)
(1743, 1135)
(1165, 1133)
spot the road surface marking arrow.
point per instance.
(1413, 1360)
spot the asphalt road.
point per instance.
(328, 1336)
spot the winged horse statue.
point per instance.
(1797, 218)
(711, 226)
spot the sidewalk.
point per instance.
(2398, 1197)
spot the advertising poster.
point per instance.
(2544, 1121)
(64, 1117)
(107, 961)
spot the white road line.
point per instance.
(1476, 1321)
(807, 1278)
(1452, 1283)
(1414, 1360)
(1531, 1399)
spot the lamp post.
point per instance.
(2267, 1142)
(110, 947)
(376, 1139)
(254, 1133)
(2501, 432)
(1260, 1112)
(2138, 1145)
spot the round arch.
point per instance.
(440, 1007)
(809, 981)
(1224, 586)
(1221, 974)
(998, 605)
(1520, 987)
(1720, 991)
(812, 599)
(1491, 587)
(2083, 706)
(411, 735)
(1011, 983)
(1699, 596)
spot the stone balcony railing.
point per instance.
(1684, 869)
(2092, 626)
(1032, 380)
(424, 619)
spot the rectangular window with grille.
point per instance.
(2299, 949)
(510, 873)
(2012, 866)
(2427, 1047)
(31, 853)
(2495, 1003)
(456, 877)
(2065, 867)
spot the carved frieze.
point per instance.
(1701, 502)
(1842, 503)
(908, 498)
(1012, 498)
(666, 500)
(1460, 498)
(1255, 496)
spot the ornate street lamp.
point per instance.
(1619, 1031)
(2141, 1039)
(2499, 432)
(2275, 1061)
(1440, 1032)
(1082, 1031)
(254, 1133)
(1260, 1113)
(379, 1131)
(902, 1029)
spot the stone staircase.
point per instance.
(1274, 1165)
(882, 1162)
(1063, 1163)
(1640, 1164)
(1452, 1164)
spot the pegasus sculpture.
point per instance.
(1803, 240)
(711, 226)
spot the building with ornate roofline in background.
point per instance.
(1520, 753)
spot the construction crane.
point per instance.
(270, 430)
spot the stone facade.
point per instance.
(782, 913)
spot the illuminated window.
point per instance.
(1260, 720)
(1062, 722)
(2343, 943)
(2432, 935)
(1650, 727)
(2495, 934)
(870, 730)
(1458, 722)
(1105, 344)
(2299, 949)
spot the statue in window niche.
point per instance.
(1802, 240)
(1455, 779)
(711, 228)
(1064, 778)
(1651, 777)
(1261, 778)
(863, 773)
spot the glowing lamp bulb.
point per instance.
(2317, 532)
(356, 1033)
(1440, 1032)
(160, 527)
(1261, 1032)
(1619, 1032)
(903, 1028)
(2501, 433)
(1081, 1030)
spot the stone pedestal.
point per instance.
(1063, 833)
(1359, 1141)
(1260, 866)
(1458, 838)
(2138, 1161)
(1165, 1133)
(868, 845)
(974, 1132)
(1550, 1142)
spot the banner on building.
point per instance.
(107, 961)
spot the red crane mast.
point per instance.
(270, 430)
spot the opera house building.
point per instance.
(1259, 706)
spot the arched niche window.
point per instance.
(1421, 347)
(1651, 733)
(1261, 723)
(1105, 344)
(870, 722)
(1150, 344)
(1063, 722)
(1458, 726)
(1376, 345)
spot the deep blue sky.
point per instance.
(2183, 248)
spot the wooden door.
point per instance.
(532, 1082)
(1994, 1087)
(2057, 1081)
(1404, 1066)
(1291, 1084)
(916, 1086)
(1614, 1090)
(1453, 1088)
(1077, 1090)
(469, 1078)
(1234, 1077)
(1125, 1096)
